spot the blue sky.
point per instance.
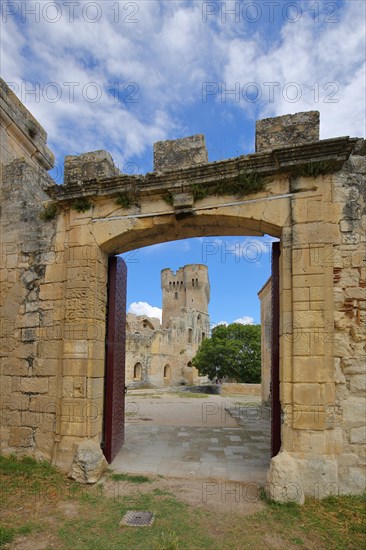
(121, 75)
(238, 268)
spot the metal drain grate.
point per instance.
(138, 519)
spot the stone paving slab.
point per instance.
(236, 449)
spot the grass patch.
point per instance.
(134, 395)
(131, 478)
(192, 394)
(98, 525)
(166, 541)
(6, 535)
(335, 523)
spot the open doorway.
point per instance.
(143, 422)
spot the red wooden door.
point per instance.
(114, 394)
(275, 353)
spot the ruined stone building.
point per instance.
(161, 354)
(63, 286)
(264, 296)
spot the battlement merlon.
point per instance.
(89, 167)
(180, 153)
(21, 127)
(190, 278)
(287, 130)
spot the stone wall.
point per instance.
(28, 385)
(240, 389)
(349, 336)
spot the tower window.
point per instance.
(189, 336)
(137, 371)
(176, 295)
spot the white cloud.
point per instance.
(181, 246)
(169, 53)
(312, 59)
(245, 320)
(143, 308)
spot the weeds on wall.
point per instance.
(199, 191)
(244, 184)
(126, 200)
(49, 212)
(315, 169)
(169, 198)
(81, 205)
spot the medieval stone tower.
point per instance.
(161, 354)
(188, 288)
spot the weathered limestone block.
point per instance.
(89, 463)
(34, 385)
(15, 367)
(358, 385)
(89, 166)
(360, 148)
(353, 412)
(180, 153)
(319, 474)
(21, 437)
(358, 435)
(284, 481)
(273, 133)
(358, 333)
(352, 476)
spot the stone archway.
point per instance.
(56, 276)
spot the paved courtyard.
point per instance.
(210, 437)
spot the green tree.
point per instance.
(233, 351)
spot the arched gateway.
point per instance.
(56, 245)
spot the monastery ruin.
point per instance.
(62, 287)
(161, 354)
